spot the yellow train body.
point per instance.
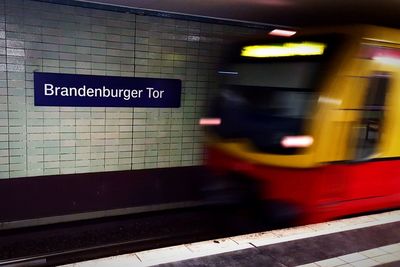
(337, 114)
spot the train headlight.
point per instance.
(299, 141)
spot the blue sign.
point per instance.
(76, 90)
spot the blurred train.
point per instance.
(311, 122)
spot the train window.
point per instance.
(299, 74)
(282, 89)
(372, 116)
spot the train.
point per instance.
(310, 123)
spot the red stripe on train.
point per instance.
(323, 193)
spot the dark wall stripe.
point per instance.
(46, 196)
(164, 14)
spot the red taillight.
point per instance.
(210, 121)
(297, 141)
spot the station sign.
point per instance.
(77, 90)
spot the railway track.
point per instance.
(69, 256)
(73, 242)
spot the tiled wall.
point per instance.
(37, 36)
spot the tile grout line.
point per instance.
(8, 90)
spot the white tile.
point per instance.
(253, 237)
(128, 260)
(361, 220)
(216, 245)
(327, 225)
(365, 263)
(397, 255)
(391, 248)
(332, 262)
(387, 217)
(386, 258)
(353, 257)
(309, 265)
(373, 252)
(292, 231)
(164, 253)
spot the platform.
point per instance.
(370, 240)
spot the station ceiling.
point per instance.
(295, 13)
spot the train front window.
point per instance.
(263, 102)
(283, 89)
(269, 90)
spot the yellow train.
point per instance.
(313, 119)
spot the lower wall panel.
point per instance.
(50, 196)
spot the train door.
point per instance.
(367, 176)
(372, 115)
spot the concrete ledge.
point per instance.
(96, 214)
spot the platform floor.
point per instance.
(371, 240)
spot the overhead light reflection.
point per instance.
(228, 72)
(284, 33)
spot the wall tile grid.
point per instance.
(37, 36)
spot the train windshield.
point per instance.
(283, 89)
(269, 92)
